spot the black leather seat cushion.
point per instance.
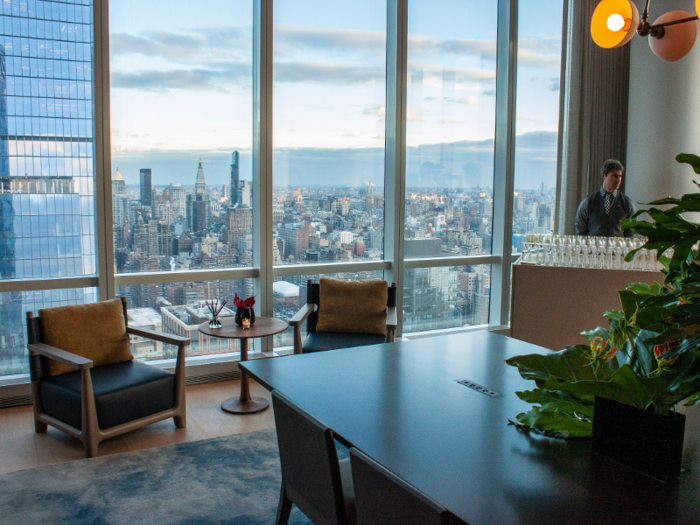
(319, 341)
(123, 392)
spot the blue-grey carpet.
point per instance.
(232, 480)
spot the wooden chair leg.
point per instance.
(180, 421)
(284, 508)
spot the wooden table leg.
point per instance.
(245, 403)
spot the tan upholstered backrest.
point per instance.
(352, 307)
(95, 331)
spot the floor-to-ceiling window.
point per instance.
(181, 136)
(329, 108)
(537, 117)
(451, 99)
(152, 196)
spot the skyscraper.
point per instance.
(47, 167)
(146, 187)
(200, 185)
(235, 180)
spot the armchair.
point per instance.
(355, 315)
(103, 392)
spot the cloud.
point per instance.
(221, 80)
(203, 44)
(419, 45)
(430, 99)
(451, 121)
(435, 74)
(468, 100)
(324, 73)
(351, 135)
(414, 113)
(530, 58)
(377, 109)
(290, 38)
(489, 93)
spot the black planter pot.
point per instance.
(245, 313)
(638, 439)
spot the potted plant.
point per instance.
(632, 374)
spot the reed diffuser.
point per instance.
(215, 309)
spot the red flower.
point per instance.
(243, 303)
(659, 350)
(611, 353)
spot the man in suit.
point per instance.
(600, 213)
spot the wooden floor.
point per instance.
(21, 448)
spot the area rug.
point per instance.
(232, 480)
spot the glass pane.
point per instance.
(329, 105)
(181, 109)
(290, 294)
(14, 358)
(179, 309)
(537, 117)
(447, 297)
(47, 175)
(450, 129)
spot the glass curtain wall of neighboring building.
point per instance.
(47, 173)
(181, 77)
(537, 117)
(329, 112)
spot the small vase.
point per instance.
(245, 313)
(214, 322)
(639, 439)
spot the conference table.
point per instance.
(403, 405)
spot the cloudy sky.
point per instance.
(181, 89)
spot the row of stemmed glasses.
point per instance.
(587, 252)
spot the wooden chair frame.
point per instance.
(91, 435)
(306, 310)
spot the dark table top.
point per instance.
(262, 327)
(401, 404)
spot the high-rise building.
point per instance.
(177, 192)
(200, 185)
(235, 180)
(146, 187)
(47, 200)
(198, 212)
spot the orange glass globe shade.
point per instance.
(697, 7)
(604, 19)
(677, 40)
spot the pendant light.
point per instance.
(673, 34)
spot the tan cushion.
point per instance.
(95, 331)
(352, 307)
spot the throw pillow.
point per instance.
(352, 306)
(95, 331)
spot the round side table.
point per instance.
(263, 327)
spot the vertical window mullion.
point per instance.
(395, 154)
(504, 159)
(262, 156)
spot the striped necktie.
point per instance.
(609, 197)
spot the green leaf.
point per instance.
(554, 400)
(624, 386)
(567, 365)
(688, 158)
(556, 422)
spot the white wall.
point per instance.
(664, 116)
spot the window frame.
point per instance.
(394, 263)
